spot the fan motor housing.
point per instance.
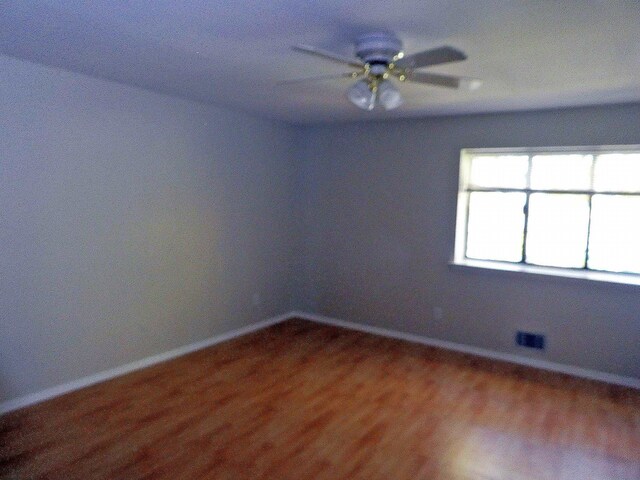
(377, 48)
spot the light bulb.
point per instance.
(470, 83)
(361, 95)
(388, 95)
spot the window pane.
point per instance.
(561, 172)
(557, 229)
(617, 172)
(615, 233)
(504, 171)
(495, 230)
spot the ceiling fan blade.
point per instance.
(448, 81)
(319, 52)
(435, 56)
(320, 78)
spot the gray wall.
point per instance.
(131, 223)
(379, 229)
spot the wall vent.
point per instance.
(530, 340)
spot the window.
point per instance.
(563, 211)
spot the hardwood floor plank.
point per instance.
(302, 400)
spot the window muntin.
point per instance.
(565, 208)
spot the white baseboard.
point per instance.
(481, 352)
(37, 397)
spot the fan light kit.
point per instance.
(379, 59)
(367, 94)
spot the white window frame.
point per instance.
(459, 255)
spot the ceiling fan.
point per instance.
(379, 59)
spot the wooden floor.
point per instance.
(302, 401)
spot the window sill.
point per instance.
(590, 276)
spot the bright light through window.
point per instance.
(500, 171)
(615, 233)
(565, 208)
(557, 230)
(617, 172)
(561, 172)
(496, 225)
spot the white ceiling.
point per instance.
(530, 53)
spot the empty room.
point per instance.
(320, 240)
